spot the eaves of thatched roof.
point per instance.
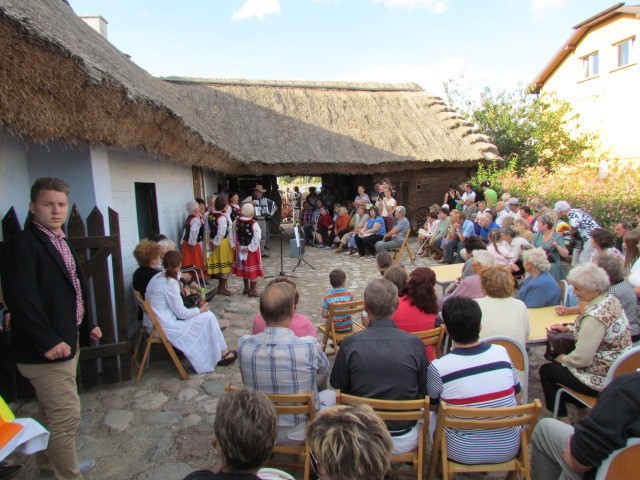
(60, 79)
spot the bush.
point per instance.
(615, 196)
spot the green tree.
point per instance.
(528, 130)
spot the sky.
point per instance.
(498, 44)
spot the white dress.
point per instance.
(197, 334)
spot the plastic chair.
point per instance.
(156, 336)
(464, 418)
(403, 410)
(622, 463)
(328, 330)
(628, 362)
(519, 358)
(288, 404)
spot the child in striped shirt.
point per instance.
(337, 278)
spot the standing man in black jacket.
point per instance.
(46, 293)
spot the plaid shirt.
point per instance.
(305, 217)
(276, 361)
(57, 239)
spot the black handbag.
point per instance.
(559, 343)
(191, 301)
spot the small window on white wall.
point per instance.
(624, 51)
(590, 65)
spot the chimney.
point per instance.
(97, 22)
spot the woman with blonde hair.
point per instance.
(398, 276)
(501, 313)
(524, 229)
(349, 442)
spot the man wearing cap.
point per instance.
(512, 210)
(583, 223)
(264, 208)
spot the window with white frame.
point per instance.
(624, 51)
(590, 65)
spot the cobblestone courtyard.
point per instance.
(162, 429)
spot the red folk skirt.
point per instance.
(251, 268)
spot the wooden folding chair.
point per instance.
(328, 329)
(399, 410)
(156, 336)
(465, 418)
(519, 358)
(628, 362)
(290, 404)
(434, 338)
(397, 256)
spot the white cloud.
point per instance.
(256, 8)
(539, 6)
(433, 6)
(432, 76)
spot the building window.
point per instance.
(624, 51)
(590, 66)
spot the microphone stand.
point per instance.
(282, 273)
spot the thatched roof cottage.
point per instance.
(73, 105)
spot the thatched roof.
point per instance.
(60, 79)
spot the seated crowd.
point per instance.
(513, 261)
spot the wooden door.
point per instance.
(198, 182)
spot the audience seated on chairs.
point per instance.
(395, 236)
(245, 430)
(358, 222)
(398, 276)
(418, 305)
(471, 244)
(277, 361)
(372, 233)
(337, 294)
(349, 442)
(300, 324)
(195, 331)
(471, 287)
(539, 288)
(562, 451)
(501, 313)
(383, 362)
(148, 254)
(474, 374)
(602, 335)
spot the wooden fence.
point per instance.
(109, 360)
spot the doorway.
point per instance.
(147, 208)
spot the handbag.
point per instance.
(191, 301)
(559, 343)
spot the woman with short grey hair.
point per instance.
(192, 236)
(539, 289)
(602, 335)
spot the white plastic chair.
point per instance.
(519, 358)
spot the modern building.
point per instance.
(597, 70)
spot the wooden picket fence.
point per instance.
(108, 361)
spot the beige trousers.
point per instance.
(57, 392)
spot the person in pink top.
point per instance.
(300, 324)
(418, 306)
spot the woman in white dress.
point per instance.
(195, 331)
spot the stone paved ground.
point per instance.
(162, 429)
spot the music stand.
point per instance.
(301, 259)
(282, 233)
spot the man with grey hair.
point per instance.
(583, 223)
(383, 362)
(394, 237)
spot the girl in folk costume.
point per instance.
(190, 246)
(236, 211)
(245, 238)
(221, 258)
